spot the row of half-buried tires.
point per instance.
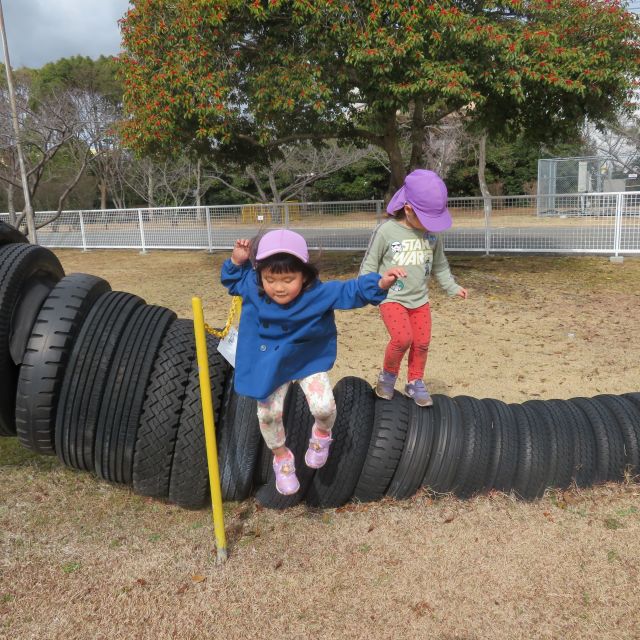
(110, 385)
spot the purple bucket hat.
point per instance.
(427, 194)
(282, 241)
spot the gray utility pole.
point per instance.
(28, 209)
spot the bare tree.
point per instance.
(48, 124)
(299, 166)
(171, 182)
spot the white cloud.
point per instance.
(40, 31)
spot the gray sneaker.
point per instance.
(385, 385)
(419, 393)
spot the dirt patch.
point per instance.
(85, 559)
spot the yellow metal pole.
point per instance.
(209, 429)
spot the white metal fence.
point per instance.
(570, 223)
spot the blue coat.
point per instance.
(280, 343)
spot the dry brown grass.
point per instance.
(85, 559)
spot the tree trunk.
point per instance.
(482, 163)
(11, 205)
(391, 145)
(150, 189)
(102, 185)
(198, 187)
(417, 136)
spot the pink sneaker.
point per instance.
(318, 451)
(286, 479)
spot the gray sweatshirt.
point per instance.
(420, 253)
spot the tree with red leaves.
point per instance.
(239, 79)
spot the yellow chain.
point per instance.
(234, 312)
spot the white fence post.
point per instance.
(142, 241)
(207, 213)
(286, 215)
(82, 232)
(487, 226)
(378, 212)
(617, 229)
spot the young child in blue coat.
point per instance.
(288, 333)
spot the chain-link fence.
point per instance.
(587, 176)
(581, 223)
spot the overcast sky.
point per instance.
(40, 31)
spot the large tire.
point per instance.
(11, 235)
(165, 393)
(334, 484)
(447, 446)
(560, 439)
(119, 417)
(84, 381)
(584, 453)
(390, 423)
(416, 453)
(504, 446)
(476, 450)
(189, 481)
(599, 431)
(263, 464)
(533, 454)
(27, 274)
(238, 437)
(46, 356)
(617, 456)
(626, 419)
(298, 422)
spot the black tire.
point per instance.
(626, 419)
(119, 417)
(476, 449)
(46, 356)
(298, 422)
(83, 384)
(533, 454)
(504, 446)
(594, 419)
(447, 446)
(11, 235)
(238, 438)
(560, 439)
(263, 464)
(189, 481)
(165, 393)
(27, 273)
(584, 454)
(632, 397)
(416, 453)
(334, 484)
(617, 457)
(390, 423)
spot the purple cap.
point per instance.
(427, 194)
(282, 241)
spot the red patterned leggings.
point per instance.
(409, 329)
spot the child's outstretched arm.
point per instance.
(237, 269)
(389, 277)
(371, 288)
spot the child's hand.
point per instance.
(463, 293)
(241, 251)
(389, 277)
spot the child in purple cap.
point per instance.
(288, 333)
(409, 240)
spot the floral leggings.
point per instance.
(322, 404)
